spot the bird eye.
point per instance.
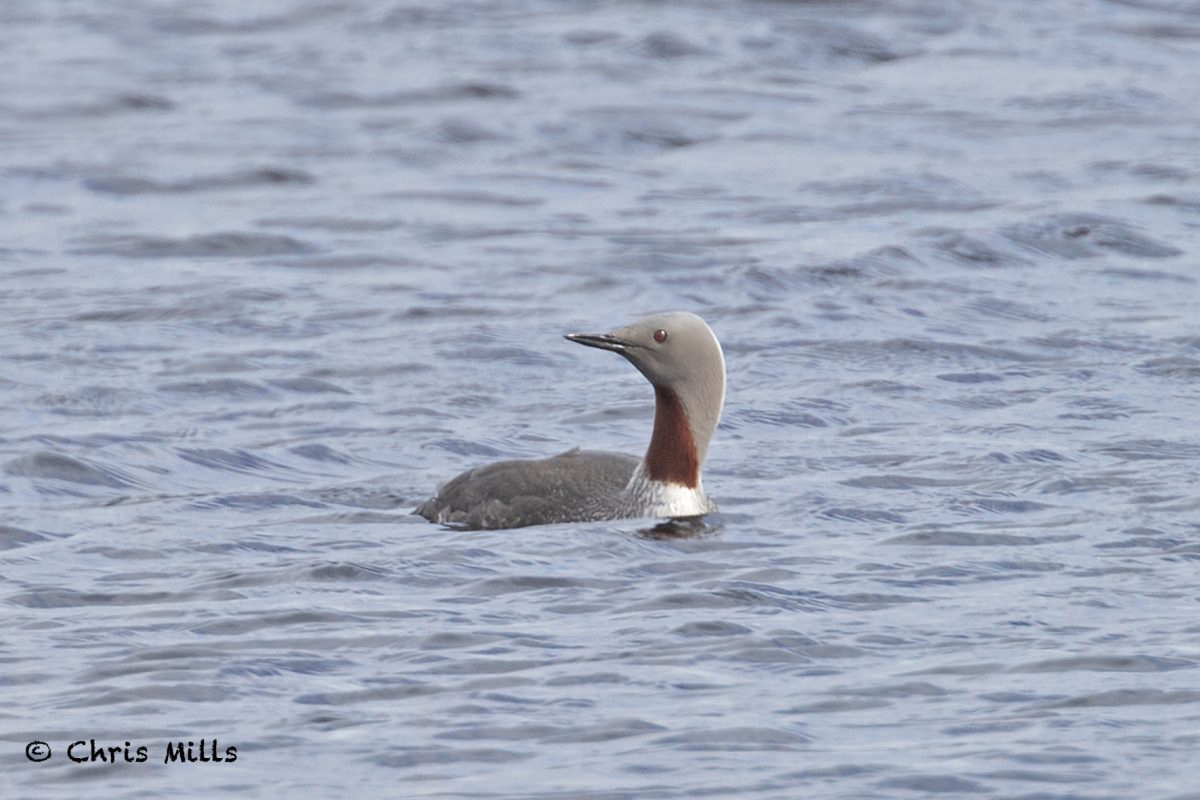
(660, 336)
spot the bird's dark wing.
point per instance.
(574, 486)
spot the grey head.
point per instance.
(681, 357)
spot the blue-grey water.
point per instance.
(270, 272)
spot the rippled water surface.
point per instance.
(271, 272)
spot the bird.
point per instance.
(679, 355)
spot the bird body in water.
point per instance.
(681, 357)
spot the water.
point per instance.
(270, 275)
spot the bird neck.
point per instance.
(674, 455)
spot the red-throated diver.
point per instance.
(680, 356)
